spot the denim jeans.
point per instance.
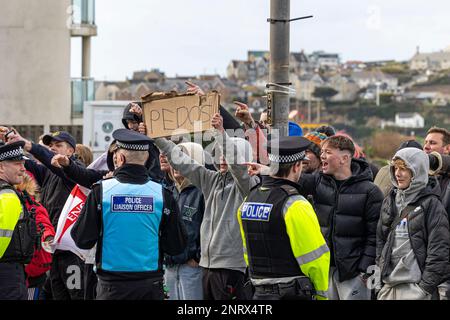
(184, 282)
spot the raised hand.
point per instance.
(243, 114)
(142, 128)
(60, 161)
(217, 122)
(256, 169)
(194, 89)
(135, 108)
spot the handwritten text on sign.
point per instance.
(189, 112)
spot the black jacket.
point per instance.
(347, 215)
(428, 232)
(191, 205)
(87, 230)
(55, 185)
(444, 181)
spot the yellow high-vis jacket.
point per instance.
(10, 210)
(305, 237)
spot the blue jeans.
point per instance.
(184, 282)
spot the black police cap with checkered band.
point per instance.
(288, 149)
(12, 151)
(131, 140)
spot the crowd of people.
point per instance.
(251, 216)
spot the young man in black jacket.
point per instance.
(347, 204)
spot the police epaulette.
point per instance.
(98, 183)
(290, 190)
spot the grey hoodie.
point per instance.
(221, 243)
(404, 273)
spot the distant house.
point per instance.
(409, 120)
(322, 59)
(365, 79)
(347, 88)
(298, 63)
(306, 84)
(433, 97)
(435, 61)
(154, 75)
(237, 69)
(253, 55)
(108, 90)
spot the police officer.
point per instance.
(17, 225)
(134, 220)
(284, 249)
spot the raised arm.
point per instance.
(234, 157)
(189, 168)
(79, 174)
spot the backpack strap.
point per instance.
(290, 190)
(405, 212)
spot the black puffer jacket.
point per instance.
(348, 216)
(429, 234)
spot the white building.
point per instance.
(409, 120)
(435, 61)
(37, 94)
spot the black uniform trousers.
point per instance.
(298, 289)
(141, 289)
(12, 281)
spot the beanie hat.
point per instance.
(327, 130)
(295, 130)
(316, 139)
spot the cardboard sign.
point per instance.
(165, 114)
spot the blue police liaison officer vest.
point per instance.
(131, 221)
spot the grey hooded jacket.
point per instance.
(413, 255)
(221, 243)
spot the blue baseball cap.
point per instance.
(61, 136)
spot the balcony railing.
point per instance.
(83, 18)
(83, 12)
(82, 90)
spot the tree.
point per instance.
(324, 93)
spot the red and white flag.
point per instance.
(68, 217)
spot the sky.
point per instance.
(192, 37)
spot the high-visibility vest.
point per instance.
(281, 236)
(131, 215)
(10, 212)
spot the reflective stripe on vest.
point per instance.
(6, 233)
(131, 221)
(313, 255)
(10, 213)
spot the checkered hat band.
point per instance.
(11, 154)
(287, 159)
(134, 147)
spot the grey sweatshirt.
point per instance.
(221, 243)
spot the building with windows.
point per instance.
(37, 94)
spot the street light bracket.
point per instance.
(290, 20)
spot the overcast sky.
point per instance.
(191, 37)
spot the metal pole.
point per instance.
(279, 63)
(86, 57)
